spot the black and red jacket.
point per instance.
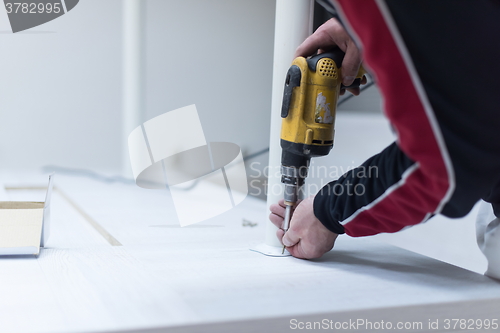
(437, 64)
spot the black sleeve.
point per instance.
(360, 187)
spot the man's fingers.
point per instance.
(356, 90)
(277, 215)
(350, 64)
(318, 40)
(278, 210)
(279, 234)
(327, 36)
(290, 238)
(276, 220)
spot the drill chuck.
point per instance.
(293, 178)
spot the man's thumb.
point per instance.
(290, 239)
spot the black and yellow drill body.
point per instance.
(312, 88)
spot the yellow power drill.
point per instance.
(312, 88)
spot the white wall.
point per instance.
(60, 83)
(218, 55)
(60, 90)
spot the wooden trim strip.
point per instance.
(99, 228)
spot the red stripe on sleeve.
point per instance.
(426, 187)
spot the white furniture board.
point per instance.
(166, 276)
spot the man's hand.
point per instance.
(306, 238)
(331, 34)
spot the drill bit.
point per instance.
(286, 223)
